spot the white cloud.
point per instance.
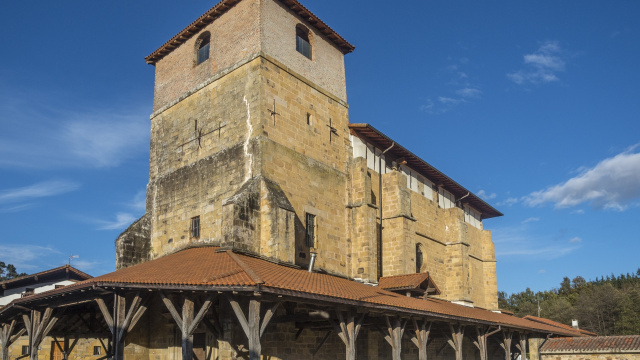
(575, 240)
(546, 252)
(483, 194)
(542, 271)
(469, 92)
(26, 258)
(39, 190)
(509, 202)
(121, 222)
(44, 136)
(613, 184)
(531, 219)
(542, 66)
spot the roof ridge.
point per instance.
(248, 270)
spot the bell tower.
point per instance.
(249, 138)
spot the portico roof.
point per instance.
(215, 269)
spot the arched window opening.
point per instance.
(419, 258)
(303, 41)
(202, 48)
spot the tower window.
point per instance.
(25, 349)
(202, 47)
(97, 350)
(419, 258)
(311, 230)
(195, 227)
(303, 43)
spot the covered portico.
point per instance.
(208, 303)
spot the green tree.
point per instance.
(8, 271)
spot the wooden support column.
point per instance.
(6, 337)
(348, 328)
(121, 321)
(38, 326)
(393, 335)
(481, 339)
(455, 339)
(522, 345)
(506, 343)
(253, 324)
(187, 322)
(420, 337)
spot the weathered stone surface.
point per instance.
(134, 244)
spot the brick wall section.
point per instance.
(325, 69)
(235, 36)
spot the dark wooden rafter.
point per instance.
(187, 321)
(506, 343)
(38, 325)
(324, 339)
(393, 334)
(121, 321)
(522, 345)
(253, 323)
(420, 336)
(455, 338)
(348, 327)
(7, 337)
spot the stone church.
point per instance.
(277, 229)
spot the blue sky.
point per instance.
(532, 105)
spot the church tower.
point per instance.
(252, 150)
(249, 138)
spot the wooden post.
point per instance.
(506, 343)
(394, 335)
(420, 337)
(38, 326)
(122, 321)
(522, 346)
(455, 340)
(251, 324)
(187, 322)
(348, 330)
(6, 337)
(480, 340)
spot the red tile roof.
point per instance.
(624, 343)
(209, 268)
(224, 5)
(58, 272)
(417, 281)
(557, 324)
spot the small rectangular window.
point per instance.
(311, 230)
(195, 227)
(25, 349)
(203, 53)
(97, 350)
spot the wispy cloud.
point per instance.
(531, 219)
(121, 222)
(483, 194)
(575, 240)
(44, 136)
(35, 191)
(509, 201)
(613, 184)
(542, 66)
(460, 90)
(522, 241)
(25, 257)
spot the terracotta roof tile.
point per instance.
(625, 343)
(208, 267)
(557, 324)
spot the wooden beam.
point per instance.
(348, 327)
(38, 326)
(506, 343)
(393, 335)
(252, 323)
(7, 337)
(324, 339)
(187, 321)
